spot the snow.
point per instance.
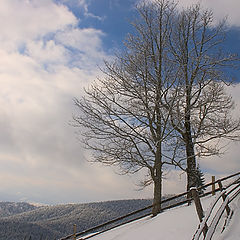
(179, 223)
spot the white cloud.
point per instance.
(87, 44)
(38, 149)
(221, 9)
(81, 38)
(46, 60)
(24, 20)
(47, 52)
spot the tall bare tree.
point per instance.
(202, 113)
(162, 94)
(122, 114)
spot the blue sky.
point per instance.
(50, 50)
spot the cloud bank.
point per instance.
(46, 60)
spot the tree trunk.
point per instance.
(191, 168)
(190, 153)
(191, 164)
(157, 196)
(157, 170)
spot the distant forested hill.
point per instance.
(19, 221)
(12, 208)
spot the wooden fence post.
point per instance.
(228, 210)
(74, 231)
(199, 208)
(213, 185)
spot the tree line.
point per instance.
(162, 101)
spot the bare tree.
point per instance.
(202, 113)
(122, 115)
(163, 94)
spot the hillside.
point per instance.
(12, 208)
(179, 223)
(50, 222)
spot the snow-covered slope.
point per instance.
(178, 223)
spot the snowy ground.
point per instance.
(178, 223)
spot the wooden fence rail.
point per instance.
(227, 194)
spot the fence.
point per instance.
(87, 234)
(207, 227)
